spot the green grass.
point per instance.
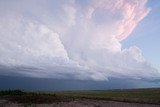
(138, 95)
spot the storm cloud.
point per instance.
(79, 39)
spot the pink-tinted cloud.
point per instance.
(133, 12)
(130, 12)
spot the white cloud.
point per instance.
(129, 13)
(66, 39)
(70, 13)
(23, 39)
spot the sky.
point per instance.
(80, 39)
(147, 31)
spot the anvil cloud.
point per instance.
(78, 39)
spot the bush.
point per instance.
(11, 92)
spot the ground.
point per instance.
(79, 103)
(109, 98)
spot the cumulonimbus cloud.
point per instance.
(72, 39)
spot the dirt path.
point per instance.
(79, 103)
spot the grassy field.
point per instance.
(138, 95)
(151, 96)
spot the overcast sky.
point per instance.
(80, 39)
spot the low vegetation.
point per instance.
(11, 92)
(151, 96)
(29, 97)
(138, 95)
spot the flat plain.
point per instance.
(94, 98)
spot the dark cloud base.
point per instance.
(46, 84)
